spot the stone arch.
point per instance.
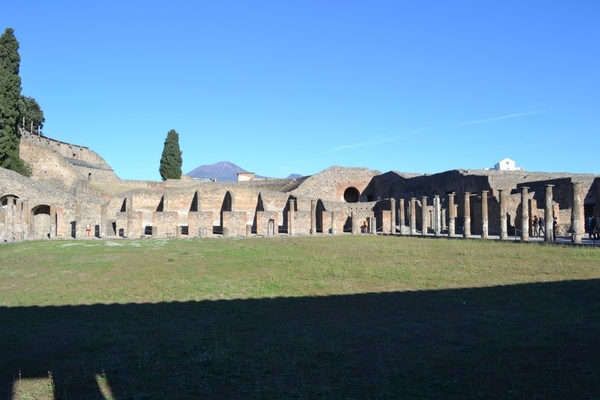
(226, 206)
(228, 202)
(260, 207)
(195, 205)
(123, 205)
(4, 199)
(161, 204)
(41, 222)
(351, 195)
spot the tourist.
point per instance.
(536, 227)
(542, 231)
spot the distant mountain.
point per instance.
(223, 171)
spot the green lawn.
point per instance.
(344, 317)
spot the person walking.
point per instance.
(536, 229)
(542, 230)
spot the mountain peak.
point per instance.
(223, 171)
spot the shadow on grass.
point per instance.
(522, 341)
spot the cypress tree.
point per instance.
(171, 160)
(10, 96)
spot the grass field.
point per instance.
(344, 317)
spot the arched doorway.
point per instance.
(41, 222)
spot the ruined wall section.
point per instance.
(332, 183)
(62, 165)
(46, 212)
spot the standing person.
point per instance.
(554, 226)
(542, 227)
(588, 225)
(536, 229)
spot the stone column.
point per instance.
(130, 217)
(78, 220)
(436, 215)
(467, 216)
(577, 214)
(313, 217)
(333, 223)
(524, 214)
(401, 216)
(292, 204)
(548, 215)
(485, 225)
(503, 222)
(443, 218)
(451, 215)
(26, 220)
(413, 216)
(103, 220)
(355, 223)
(393, 216)
(424, 215)
(53, 223)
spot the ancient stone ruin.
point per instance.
(74, 194)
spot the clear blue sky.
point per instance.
(281, 87)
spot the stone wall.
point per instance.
(63, 199)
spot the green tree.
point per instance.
(171, 161)
(10, 95)
(31, 111)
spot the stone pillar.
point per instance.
(503, 222)
(424, 215)
(77, 219)
(292, 204)
(393, 216)
(401, 217)
(333, 223)
(355, 223)
(53, 227)
(485, 224)
(129, 213)
(26, 220)
(443, 218)
(313, 217)
(372, 227)
(413, 216)
(577, 214)
(103, 220)
(451, 215)
(436, 215)
(467, 216)
(524, 214)
(548, 215)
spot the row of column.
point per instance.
(576, 214)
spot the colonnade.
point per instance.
(438, 215)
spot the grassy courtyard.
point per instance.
(344, 317)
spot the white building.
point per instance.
(506, 165)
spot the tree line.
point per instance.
(14, 106)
